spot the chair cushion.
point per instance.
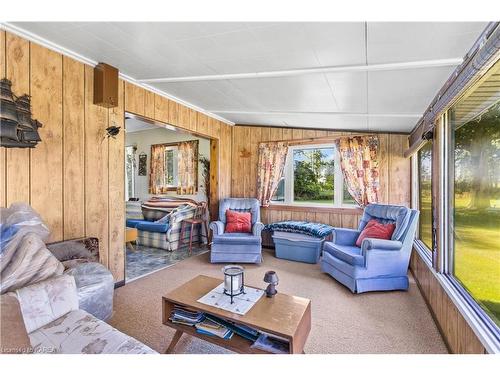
(241, 205)
(78, 332)
(132, 223)
(149, 226)
(348, 254)
(238, 222)
(385, 214)
(236, 239)
(374, 229)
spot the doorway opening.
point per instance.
(167, 193)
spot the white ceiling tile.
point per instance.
(300, 93)
(405, 91)
(392, 124)
(349, 90)
(315, 121)
(337, 43)
(413, 41)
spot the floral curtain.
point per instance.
(187, 168)
(359, 162)
(157, 170)
(270, 169)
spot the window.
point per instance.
(171, 153)
(130, 172)
(474, 208)
(313, 177)
(424, 173)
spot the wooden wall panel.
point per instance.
(184, 120)
(202, 123)
(399, 170)
(225, 161)
(46, 159)
(173, 112)
(73, 148)
(18, 159)
(161, 109)
(3, 180)
(214, 178)
(193, 119)
(135, 98)
(149, 104)
(458, 335)
(116, 191)
(384, 167)
(96, 169)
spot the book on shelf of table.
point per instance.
(211, 325)
(211, 328)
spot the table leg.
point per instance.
(174, 342)
(191, 239)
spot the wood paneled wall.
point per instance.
(394, 173)
(75, 177)
(458, 335)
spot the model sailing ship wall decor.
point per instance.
(17, 128)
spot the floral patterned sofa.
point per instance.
(55, 323)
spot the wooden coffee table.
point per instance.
(285, 316)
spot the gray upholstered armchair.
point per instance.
(237, 247)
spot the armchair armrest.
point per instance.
(376, 243)
(257, 229)
(217, 227)
(345, 236)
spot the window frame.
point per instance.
(427, 251)
(338, 180)
(127, 196)
(175, 149)
(488, 329)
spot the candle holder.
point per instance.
(234, 281)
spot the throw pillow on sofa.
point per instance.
(26, 261)
(374, 229)
(238, 222)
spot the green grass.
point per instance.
(477, 254)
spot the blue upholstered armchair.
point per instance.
(237, 247)
(378, 264)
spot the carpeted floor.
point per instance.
(390, 322)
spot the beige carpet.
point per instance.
(390, 322)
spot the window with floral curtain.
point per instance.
(187, 168)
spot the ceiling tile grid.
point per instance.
(365, 99)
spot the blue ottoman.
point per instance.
(298, 247)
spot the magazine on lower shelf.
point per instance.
(271, 344)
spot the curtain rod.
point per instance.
(320, 140)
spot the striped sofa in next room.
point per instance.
(160, 228)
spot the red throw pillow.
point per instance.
(374, 229)
(238, 222)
